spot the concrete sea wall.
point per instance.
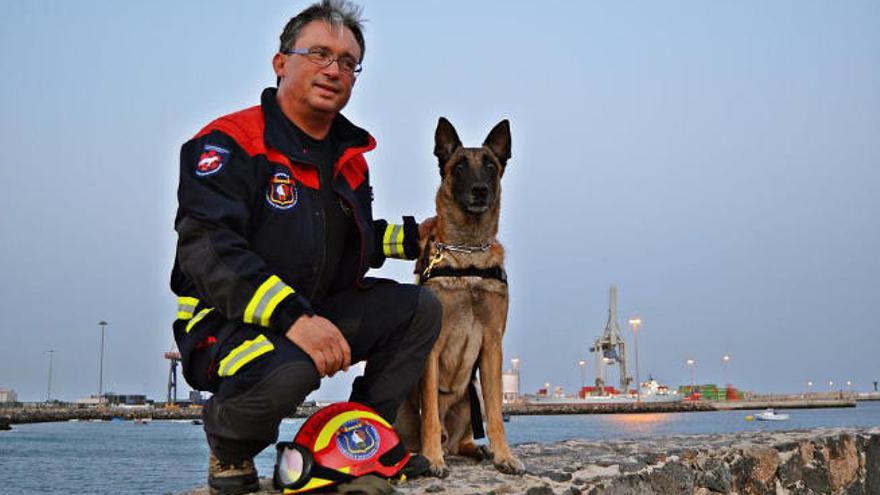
(824, 461)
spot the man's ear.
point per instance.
(498, 141)
(445, 142)
(278, 62)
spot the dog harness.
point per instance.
(432, 271)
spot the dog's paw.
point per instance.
(483, 453)
(438, 470)
(509, 465)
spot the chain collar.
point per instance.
(462, 248)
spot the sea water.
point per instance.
(122, 457)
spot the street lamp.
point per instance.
(691, 365)
(810, 386)
(582, 364)
(49, 386)
(849, 385)
(102, 324)
(635, 322)
(725, 360)
(831, 385)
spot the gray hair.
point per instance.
(338, 13)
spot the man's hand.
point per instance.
(323, 342)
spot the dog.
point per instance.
(463, 265)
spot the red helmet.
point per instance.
(336, 444)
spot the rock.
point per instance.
(539, 490)
(572, 490)
(557, 476)
(755, 472)
(716, 477)
(872, 464)
(435, 488)
(843, 462)
(673, 478)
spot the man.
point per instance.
(275, 233)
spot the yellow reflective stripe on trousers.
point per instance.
(203, 313)
(186, 306)
(266, 298)
(392, 241)
(243, 354)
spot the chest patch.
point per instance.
(281, 192)
(211, 160)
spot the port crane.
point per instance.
(610, 348)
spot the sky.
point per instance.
(718, 161)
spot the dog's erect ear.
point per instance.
(445, 141)
(498, 141)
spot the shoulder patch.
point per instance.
(211, 160)
(281, 193)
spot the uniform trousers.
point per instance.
(391, 326)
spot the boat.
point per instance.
(770, 415)
(196, 422)
(505, 417)
(143, 421)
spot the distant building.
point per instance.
(510, 387)
(196, 397)
(125, 400)
(8, 396)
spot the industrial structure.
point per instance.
(610, 348)
(174, 356)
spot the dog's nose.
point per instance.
(480, 191)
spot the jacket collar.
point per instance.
(282, 134)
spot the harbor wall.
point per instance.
(537, 408)
(22, 415)
(829, 461)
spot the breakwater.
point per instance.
(22, 415)
(784, 404)
(831, 461)
(536, 408)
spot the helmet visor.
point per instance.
(293, 465)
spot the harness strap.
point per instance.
(476, 410)
(495, 273)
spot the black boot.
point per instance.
(232, 479)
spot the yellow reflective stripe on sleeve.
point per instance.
(398, 241)
(203, 313)
(392, 241)
(273, 303)
(246, 352)
(386, 240)
(185, 307)
(266, 298)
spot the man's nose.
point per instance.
(333, 69)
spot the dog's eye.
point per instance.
(458, 167)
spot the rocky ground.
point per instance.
(824, 461)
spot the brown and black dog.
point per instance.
(463, 264)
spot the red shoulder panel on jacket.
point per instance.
(246, 128)
(352, 164)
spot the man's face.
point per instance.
(308, 87)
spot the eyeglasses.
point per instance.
(323, 57)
